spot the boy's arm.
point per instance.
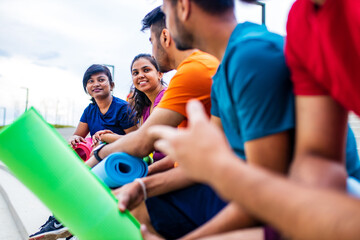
(139, 143)
(320, 142)
(131, 195)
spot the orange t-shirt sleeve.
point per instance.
(193, 79)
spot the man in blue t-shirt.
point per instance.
(252, 91)
(252, 101)
(251, 96)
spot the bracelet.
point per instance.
(142, 184)
(96, 152)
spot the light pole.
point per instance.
(262, 11)
(4, 109)
(56, 111)
(113, 70)
(27, 97)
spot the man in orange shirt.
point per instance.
(179, 205)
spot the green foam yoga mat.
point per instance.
(41, 159)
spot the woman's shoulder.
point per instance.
(90, 107)
(159, 97)
(120, 106)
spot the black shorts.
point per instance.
(178, 213)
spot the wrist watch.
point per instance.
(96, 152)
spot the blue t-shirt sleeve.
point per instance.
(352, 157)
(261, 89)
(84, 116)
(214, 103)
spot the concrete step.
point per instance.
(10, 225)
(29, 213)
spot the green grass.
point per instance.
(54, 125)
(61, 126)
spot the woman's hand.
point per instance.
(75, 139)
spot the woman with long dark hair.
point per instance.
(149, 86)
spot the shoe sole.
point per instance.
(53, 235)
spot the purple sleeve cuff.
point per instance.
(271, 234)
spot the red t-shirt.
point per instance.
(323, 50)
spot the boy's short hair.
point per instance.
(156, 19)
(215, 6)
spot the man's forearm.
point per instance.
(165, 182)
(161, 165)
(232, 217)
(313, 213)
(318, 171)
(135, 143)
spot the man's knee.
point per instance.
(142, 215)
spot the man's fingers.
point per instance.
(196, 112)
(122, 207)
(163, 132)
(123, 201)
(163, 146)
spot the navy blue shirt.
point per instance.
(117, 118)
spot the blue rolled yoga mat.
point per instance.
(119, 169)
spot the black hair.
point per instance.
(215, 6)
(96, 68)
(139, 99)
(155, 18)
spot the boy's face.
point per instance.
(159, 52)
(182, 37)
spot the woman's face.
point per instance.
(98, 86)
(145, 76)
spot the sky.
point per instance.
(46, 46)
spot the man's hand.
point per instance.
(129, 196)
(97, 136)
(200, 149)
